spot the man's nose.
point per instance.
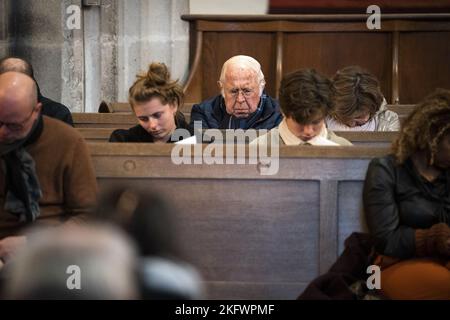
(308, 130)
(4, 132)
(240, 97)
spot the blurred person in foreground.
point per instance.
(152, 223)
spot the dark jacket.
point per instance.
(397, 200)
(213, 114)
(54, 109)
(139, 134)
(346, 279)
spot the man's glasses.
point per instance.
(245, 92)
(16, 126)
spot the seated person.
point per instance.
(46, 173)
(407, 205)
(155, 99)
(149, 219)
(49, 108)
(358, 104)
(242, 103)
(304, 101)
(78, 262)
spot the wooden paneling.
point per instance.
(424, 61)
(368, 139)
(409, 55)
(350, 212)
(219, 47)
(104, 120)
(357, 6)
(332, 51)
(252, 236)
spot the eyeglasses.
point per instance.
(246, 92)
(16, 126)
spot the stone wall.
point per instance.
(151, 30)
(98, 61)
(36, 35)
(4, 27)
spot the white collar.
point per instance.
(291, 139)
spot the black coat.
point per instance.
(213, 115)
(398, 200)
(54, 109)
(139, 134)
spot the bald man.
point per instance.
(49, 107)
(46, 175)
(242, 103)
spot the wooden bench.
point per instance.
(408, 55)
(124, 107)
(127, 119)
(372, 139)
(369, 139)
(252, 236)
(104, 120)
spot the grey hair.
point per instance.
(247, 62)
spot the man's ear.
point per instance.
(38, 107)
(262, 85)
(220, 85)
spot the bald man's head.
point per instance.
(17, 65)
(19, 107)
(242, 84)
(15, 83)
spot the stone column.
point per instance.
(36, 36)
(72, 58)
(4, 28)
(151, 30)
(100, 39)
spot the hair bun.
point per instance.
(157, 75)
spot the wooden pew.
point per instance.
(370, 139)
(252, 236)
(403, 110)
(118, 119)
(114, 107)
(409, 55)
(104, 120)
(96, 134)
(124, 107)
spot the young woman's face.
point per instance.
(442, 157)
(156, 118)
(359, 119)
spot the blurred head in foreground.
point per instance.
(74, 262)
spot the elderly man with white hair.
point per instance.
(242, 103)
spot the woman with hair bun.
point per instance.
(154, 98)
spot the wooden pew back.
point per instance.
(119, 119)
(409, 55)
(252, 236)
